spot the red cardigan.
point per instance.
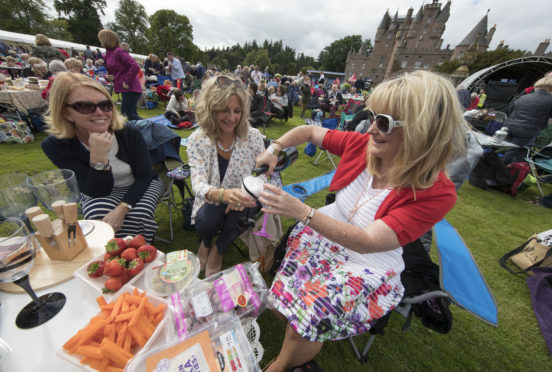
(409, 215)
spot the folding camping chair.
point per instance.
(344, 120)
(330, 124)
(460, 279)
(538, 161)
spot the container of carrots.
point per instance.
(123, 327)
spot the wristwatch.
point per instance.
(100, 165)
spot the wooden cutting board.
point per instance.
(47, 273)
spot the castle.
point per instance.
(404, 44)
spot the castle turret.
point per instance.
(478, 36)
(541, 49)
(444, 14)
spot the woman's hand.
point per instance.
(238, 198)
(100, 144)
(277, 201)
(125, 85)
(266, 158)
(109, 78)
(116, 217)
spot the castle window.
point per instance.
(426, 66)
(382, 60)
(404, 63)
(386, 44)
(425, 29)
(428, 19)
(363, 66)
(417, 64)
(352, 66)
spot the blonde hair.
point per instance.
(214, 98)
(63, 86)
(109, 39)
(36, 65)
(73, 62)
(544, 83)
(42, 40)
(433, 132)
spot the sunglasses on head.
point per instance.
(385, 123)
(224, 82)
(87, 107)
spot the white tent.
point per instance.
(16, 38)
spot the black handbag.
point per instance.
(187, 205)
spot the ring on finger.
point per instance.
(239, 204)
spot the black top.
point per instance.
(223, 166)
(70, 153)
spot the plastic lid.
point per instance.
(157, 282)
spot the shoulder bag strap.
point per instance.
(503, 259)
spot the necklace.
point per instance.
(357, 206)
(226, 149)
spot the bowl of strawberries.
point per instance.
(124, 261)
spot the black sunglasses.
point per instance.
(87, 107)
(224, 82)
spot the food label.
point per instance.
(232, 351)
(202, 305)
(175, 268)
(229, 288)
(190, 360)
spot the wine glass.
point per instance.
(17, 253)
(253, 186)
(58, 184)
(15, 196)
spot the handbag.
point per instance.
(262, 249)
(531, 254)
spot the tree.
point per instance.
(334, 56)
(481, 60)
(171, 32)
(82, 18)
(24, 16)
(131, 24)
(59, 29)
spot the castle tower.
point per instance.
(478, 35)
(541, 49)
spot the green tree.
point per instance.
(171, 32)
(24, 16)
(82, 18)
(334, 56)
(482, 60)
(59, 29)
(131, 24)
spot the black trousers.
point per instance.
(210, 219)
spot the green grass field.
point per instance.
(490, 222)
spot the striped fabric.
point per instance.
(139, 220)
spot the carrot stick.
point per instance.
(125, 316)
(125, 307)
(146, 326)
(101, 301)
(158, 318)
(111, 332)
(133, 300)
(89, 333)
(117, 306)
(117, 354)
(121, 335)
(138, 313)
(128, 342)
(112, 369)
(89, 351)
(135, 292)
(137, 335)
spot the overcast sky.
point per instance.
(309, 25)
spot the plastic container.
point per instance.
(239, 290)
(161, 281)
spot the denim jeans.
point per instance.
(129, 103)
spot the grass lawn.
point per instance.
(490, 222)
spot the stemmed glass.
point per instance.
(58, 184)
(253, 186)
(15, 196)
(17, 253)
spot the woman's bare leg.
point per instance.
(295, 352)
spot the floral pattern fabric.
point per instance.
(204, 167)
(325, 295)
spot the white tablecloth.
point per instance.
(35, 349)
(486, 141)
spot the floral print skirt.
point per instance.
(325, 295)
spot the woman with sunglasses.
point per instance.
(110, 160)
(342, 268)
(221, 153)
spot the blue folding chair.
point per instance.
(460, 281)
(330, 124)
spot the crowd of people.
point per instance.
(342, 267)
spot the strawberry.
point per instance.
(129, 254)
(137, 241)
(135, 266)
(114, 267)
(112, 285)
(125, 276)
(108, 257)
(147, 252)
(115, 246)
(95, 269)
